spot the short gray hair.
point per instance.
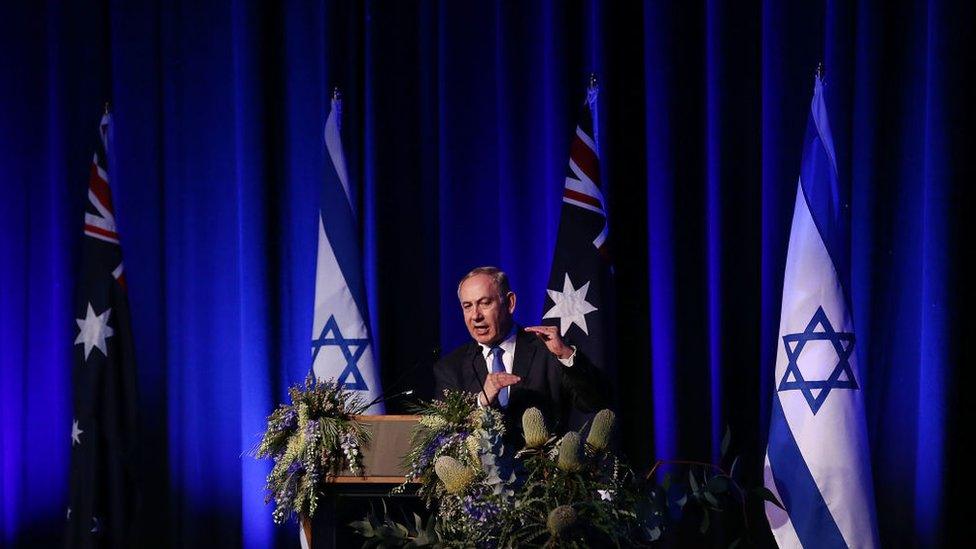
(497, 276)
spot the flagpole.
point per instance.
(592, 91)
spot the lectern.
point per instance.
(348, 496)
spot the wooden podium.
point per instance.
(348, 492)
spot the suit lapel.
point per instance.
(524, 352)
(475, 368)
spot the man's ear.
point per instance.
(510, 301)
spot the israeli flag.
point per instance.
(341, 345)
(817, 461)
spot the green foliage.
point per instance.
(309, 440)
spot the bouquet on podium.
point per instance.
(309, 440)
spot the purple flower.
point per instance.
(480, 510)
(290, 419)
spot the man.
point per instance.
(515, 369)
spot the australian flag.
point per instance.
(103, 499)
(579, 290)
(342, 349)
(817, 460)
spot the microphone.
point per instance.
(383, 398)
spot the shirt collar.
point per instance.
(507, 344)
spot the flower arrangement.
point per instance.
(568, 491)
(309, 440)
(469, 482)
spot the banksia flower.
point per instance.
(569, 452)
(560, 519)
(432, 422)
(534, 428)
(599, 435)
(456, 477)
(473, 446)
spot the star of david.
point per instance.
(352, 350)
(842, 376)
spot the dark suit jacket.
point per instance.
(546, 384)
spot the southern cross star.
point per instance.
(75, 433)
(570, 306)
(94, 330)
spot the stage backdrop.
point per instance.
(458, 120)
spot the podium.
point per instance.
(348, 496)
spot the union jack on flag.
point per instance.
(582, 188)
(100, 223)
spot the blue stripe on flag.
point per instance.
(825, 198)
(808, 511)
(340, 225)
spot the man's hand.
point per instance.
(494, 383)
(554, 342)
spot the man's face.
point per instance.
(487, 315)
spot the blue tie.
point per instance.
(497, 366)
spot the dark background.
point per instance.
(457, 126)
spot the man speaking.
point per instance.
(516, 368)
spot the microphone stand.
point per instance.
(481, 382)
(385, 396)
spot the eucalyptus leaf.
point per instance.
(718, 484)
(766, 495)
(363, 527)
(710, 498)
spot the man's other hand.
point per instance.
(494, 383)
(554, 342)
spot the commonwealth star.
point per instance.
(94, 330)
(570, 306)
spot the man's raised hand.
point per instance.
(554, 342)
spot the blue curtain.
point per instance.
(458, 119)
